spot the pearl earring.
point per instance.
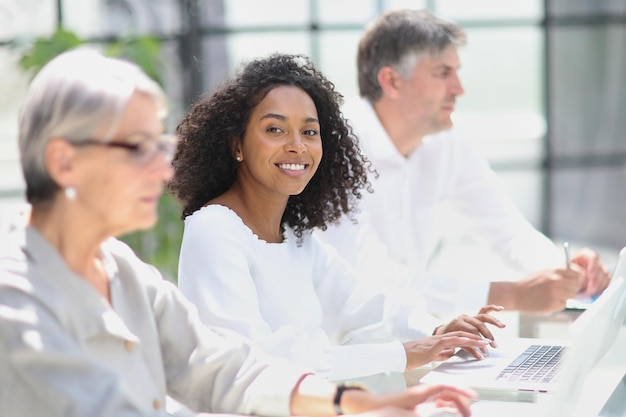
(238, 158)
(70, 193)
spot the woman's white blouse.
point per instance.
(298, 302)
(65, 352)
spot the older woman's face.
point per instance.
(282, 147)
(118, 186)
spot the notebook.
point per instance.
(590, 336)
(580, 302)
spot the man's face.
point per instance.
(428, 96)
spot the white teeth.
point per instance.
(292, 167)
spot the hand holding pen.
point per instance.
(596, 275)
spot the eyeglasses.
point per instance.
(143, 150)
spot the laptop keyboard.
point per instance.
(538, 363)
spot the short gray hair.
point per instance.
(74, 95)
(399, 39)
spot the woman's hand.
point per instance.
(440, 347)
(410, 401)
(475, 325)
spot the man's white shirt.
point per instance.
(397, 230)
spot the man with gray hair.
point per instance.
(408, 80)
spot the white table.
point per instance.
(604, 392)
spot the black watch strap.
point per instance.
(340, 389)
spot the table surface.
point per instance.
(603, 394)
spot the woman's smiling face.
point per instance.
(282, 146)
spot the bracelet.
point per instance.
(340, 389)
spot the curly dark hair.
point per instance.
(204, 165)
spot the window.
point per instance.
(551, 127)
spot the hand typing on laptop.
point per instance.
(468, 332)
(552, 365)
(432, 410)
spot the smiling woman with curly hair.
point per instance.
(262, 162)
(207, 167)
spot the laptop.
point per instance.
(590, 337)
(575, 369)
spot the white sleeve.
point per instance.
(447, 296)
(357, 315)
(491, 213)
(365, 359)
(357, 242)
(356, 320)
(410, 297)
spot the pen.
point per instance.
(566, 250)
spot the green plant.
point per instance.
(43, 49)
(144, 51)
(160, 245)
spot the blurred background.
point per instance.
(545, 94)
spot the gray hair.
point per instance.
(76, 94)
(399, 39)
